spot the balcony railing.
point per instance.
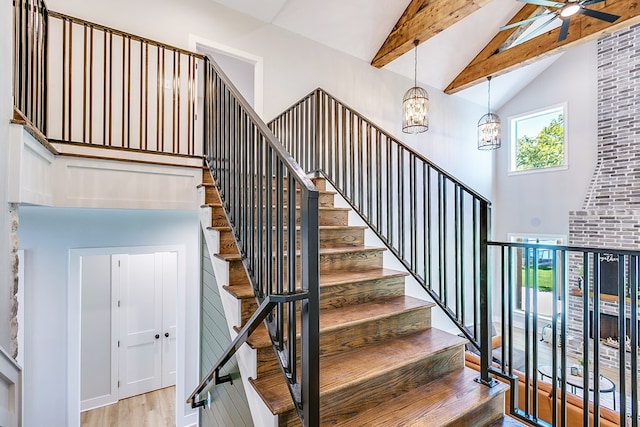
(84, 83)
(30, 79)
(569, 345)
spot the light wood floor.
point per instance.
(155, 409)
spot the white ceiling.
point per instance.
(359, 27)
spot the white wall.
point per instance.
(6, 112)
(539, 203)
(294, 66)
(46, 235)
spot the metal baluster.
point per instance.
(585, 333)
(596, 343)
(622, 333)
(634, 285)
(279, 252)
(291, 274)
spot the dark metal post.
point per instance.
(485, 299)
(310, 311)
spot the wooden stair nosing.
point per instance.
(352, 316)
(442, 402)
(320, 208)
(327, 279)
(360, 365)
(219, 229)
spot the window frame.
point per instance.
(512, 141)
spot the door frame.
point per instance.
(74, 302)
(197, 44)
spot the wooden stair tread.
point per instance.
(336, 318)
(219, 229)
(360, 365)
(322, 251)
(328, 279)
(438, 403)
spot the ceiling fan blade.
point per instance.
(537, 31)
(524, 21)
(544, 3)
(564, 30)
(599, 15)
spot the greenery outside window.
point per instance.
(538, 140)
(545, 272)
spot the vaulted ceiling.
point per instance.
(459, 40)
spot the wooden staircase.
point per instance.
(382, 364)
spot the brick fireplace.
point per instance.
(610, 216)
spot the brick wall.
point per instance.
(610, 217)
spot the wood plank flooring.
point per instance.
(155, 409)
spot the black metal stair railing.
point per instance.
(434, 224)
(259, 183)
(570, 292)
(439, 229)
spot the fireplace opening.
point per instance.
(609, 331)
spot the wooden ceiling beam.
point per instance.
(420, 21)
(492, 62)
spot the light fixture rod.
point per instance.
(489, 95)
(415, 63)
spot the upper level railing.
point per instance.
(259, 183)
(435, 225)
(84, 83)
(565, 317)
(30, 26)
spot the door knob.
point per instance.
(157, 336)
(166, 334)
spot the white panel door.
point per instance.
(140, 369)
(169, 276)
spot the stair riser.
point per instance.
(344, 339)
(325, 217)
(206, 177)
(329, 238)
(211, 195)
(237, 274)
(324, 199)
(365, 395)
(343, 295)
(227, 243)
(357, 260)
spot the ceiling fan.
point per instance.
(563, 10)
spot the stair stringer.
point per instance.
(245, 356)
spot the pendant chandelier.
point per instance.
(489, 129)
(415, 104)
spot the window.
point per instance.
(545, 272)
(538, 140)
